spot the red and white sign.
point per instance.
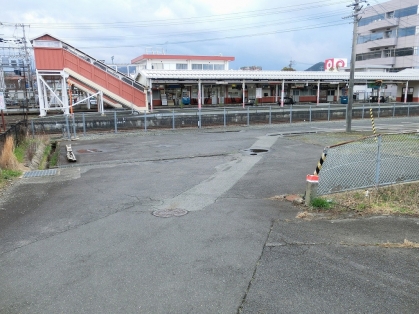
(335, 63)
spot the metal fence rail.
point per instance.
(17, 131)
(211, 117)
(372, 161)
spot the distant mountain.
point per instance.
(317, 67)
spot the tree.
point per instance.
(287, 69)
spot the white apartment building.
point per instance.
(182, 62)
(388, 37)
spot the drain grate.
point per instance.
(40, 173)
(167, 213)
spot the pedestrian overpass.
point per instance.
(60, 66)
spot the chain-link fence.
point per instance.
(372, 161)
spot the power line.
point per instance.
(188, 20)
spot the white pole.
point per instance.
(276, 93)
(101, 103)
(337, 99)
(243, 87)
(199, 94)
(282, 93)
(405, 91)
(151, 95)
(42, 111)
(379, 92)
(64, 95)
(88, 101)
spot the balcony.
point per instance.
(381, 24)
(379, 43)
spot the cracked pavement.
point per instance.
(86, 241)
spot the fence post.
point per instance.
(225, 122)
(408, 109)
(116, 122)
(74, 126)
(379, 109)
(328, 113)
(173, 120)
(378, 162)
(310, 114)
(394, 109)
(199, 118)
(68, 126)
(84, 124)
(290, 113)
(248, 117)
(363, 108)
(33, 129)
(145, 121)
(270, 114)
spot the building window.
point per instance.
(390, 15)
(181, 66)
(219, 67)
(401, 52)
(157, 66)
(408, 31)
(123, 69)
(406, 11)
(207, 67)
(132, 69)
(370, 19)
(196, 66)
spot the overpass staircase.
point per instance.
(60, 66)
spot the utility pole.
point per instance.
(27, 61)
(357, 9)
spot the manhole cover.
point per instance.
(87, 151)
(167, 213)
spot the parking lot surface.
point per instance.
(185, 222)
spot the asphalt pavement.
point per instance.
(185, 222)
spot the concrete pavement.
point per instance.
(85, 240)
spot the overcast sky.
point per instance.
(256, 32)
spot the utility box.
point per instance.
(344, 99)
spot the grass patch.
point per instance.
(396, 199)
(321, 203)
(53, 161)
(44, 161)
(7, 174)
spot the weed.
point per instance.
(321, 203)
(7, 158)
(7, 174)
(43, 163)
(395, 199)
(54, 157)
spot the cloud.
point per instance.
(256, 32)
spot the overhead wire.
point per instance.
(189, 20)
